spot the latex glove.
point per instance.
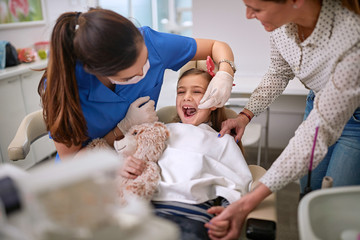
(138, 115)
(218, 91)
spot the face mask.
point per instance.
(134, 79)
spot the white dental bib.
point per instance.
(198, 166)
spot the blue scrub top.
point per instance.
(103, 108)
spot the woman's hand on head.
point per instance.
(132, 167)
(234, 127)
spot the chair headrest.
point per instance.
(199, 64)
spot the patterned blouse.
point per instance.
(328, 62)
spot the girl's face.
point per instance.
(271, 14)
(190, 91)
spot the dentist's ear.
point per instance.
(213, 108)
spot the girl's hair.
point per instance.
(353, 5)
(218, 115)
(105, 43)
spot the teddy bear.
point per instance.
(147, 142)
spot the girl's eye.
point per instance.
(180, 92)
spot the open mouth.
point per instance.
(189, 111)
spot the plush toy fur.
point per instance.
(145, 142)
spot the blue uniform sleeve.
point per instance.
(173, 50)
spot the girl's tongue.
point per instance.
(189, 111)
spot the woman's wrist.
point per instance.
(226, 68)
(257, 195)
(118, 134)
(227, 64)
(246, 114)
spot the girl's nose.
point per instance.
(187, 96)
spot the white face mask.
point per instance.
(134, 79)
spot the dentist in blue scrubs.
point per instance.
(104, 75)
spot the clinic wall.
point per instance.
(22, 37)
(226, 21)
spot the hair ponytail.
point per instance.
(58, 87)
(353, 5)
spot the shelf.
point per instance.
(22, 68)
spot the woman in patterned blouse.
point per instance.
(318, 42)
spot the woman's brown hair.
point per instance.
(218, 115)
(105, 43)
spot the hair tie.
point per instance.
(77, 20)
(210, 66)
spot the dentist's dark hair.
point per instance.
(105, 43)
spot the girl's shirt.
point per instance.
(103, 108)
(326, 62)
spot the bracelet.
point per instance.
(247, 115)
(232, 65)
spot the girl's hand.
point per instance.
(218, 229)
(132, 168)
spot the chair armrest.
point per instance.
(31, 128)
(261, 222)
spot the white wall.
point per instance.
(22, 37)
(225, 21)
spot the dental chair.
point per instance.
(261, 222)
